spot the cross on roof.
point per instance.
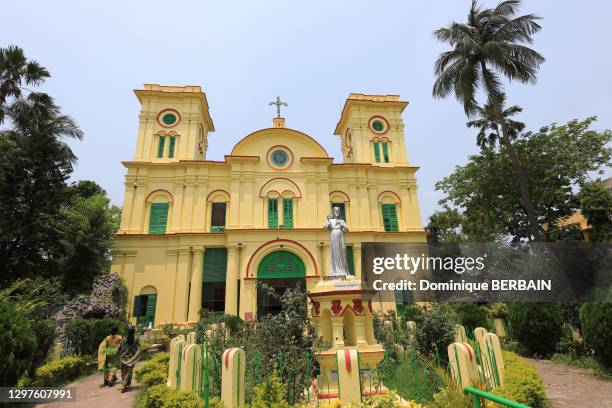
(278, 104)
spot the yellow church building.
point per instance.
(199, 234)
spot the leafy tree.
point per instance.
(16, 70)
(536, 326)
(32, 187)
(596, 206)
(17, 344)
(558, 159)
(88, 231)
(491, 42)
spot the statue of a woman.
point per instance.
(337, 245)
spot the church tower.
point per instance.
(173, 124)
(371, 130)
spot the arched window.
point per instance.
(144, 306)
(159, 203)
(380, 148)
(167, 144)
(217, 207)
(389, 203)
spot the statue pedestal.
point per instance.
(342, 314)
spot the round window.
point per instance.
(169, 119)
(279, 158)
(378, 126)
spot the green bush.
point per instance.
(17, 345)
(85, 335)
(412, 312)
(435, 329)
(596, 320)
(60, 371)
(271, 393)
(536, 326)
(44, 330)
(153, 378)
(160, 396)
(522, 382)
(158, 363)
(471, 316)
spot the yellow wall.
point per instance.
(245, 179)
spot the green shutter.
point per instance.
(215, 265)
(160, 147)
(385, 150)
(281, 264)
(376, 152)
(151, 300)
(342, 209)
(272, 213)
(159, 218)
(287, 212)
(389, 215)
(350, 260)
(171, 146)
(137, 306)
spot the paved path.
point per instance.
(91, 395)
(573, 387)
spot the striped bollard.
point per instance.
(233, 363)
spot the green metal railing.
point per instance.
(477, 395)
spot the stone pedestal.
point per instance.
(343, 318)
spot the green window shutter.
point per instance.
(159, 218)
(342, 209)
(350, 260)
(160, 147)
(287, 212)
(151, 300)
(137, 306)
(215, 265)
(171, 146)
(385, 149)
(281, 264)
(376, 152)
(389, 215)
(272, 213)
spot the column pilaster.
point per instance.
(195, 294)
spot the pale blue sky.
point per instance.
(311, 53)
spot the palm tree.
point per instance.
(491, 42)
(16, 71)
(38, 118)
(486, 121)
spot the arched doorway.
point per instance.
(144, 306)
(279, 270)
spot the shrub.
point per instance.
(471, 316)
(153, 365)
(153, 378)
(498, 310)
(435, 330)
(60, 371)
(536, 326)
(160, 396)
(17, 345)
(154, 397)
(85, 335)
(412, 312)
(522, 382)
(44, 330)
(271, 393)
(596, 320)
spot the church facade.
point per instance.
(200, 234)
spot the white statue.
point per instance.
(337, 245)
